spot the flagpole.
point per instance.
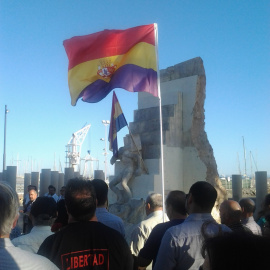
(160, 119)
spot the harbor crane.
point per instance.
(73, 148)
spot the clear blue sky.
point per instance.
(232, 38)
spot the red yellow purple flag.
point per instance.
(110, 59)
(118, 121)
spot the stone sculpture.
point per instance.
(131, 167)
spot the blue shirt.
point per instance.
(181, 245)
(110, 220)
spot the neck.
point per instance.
(102, 206)
(157, 209)
(72, 220)
(177, 216)
(246, 215)
(150, 211)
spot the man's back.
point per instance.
(181, 245)
(32, 241)
(82, 245)
(252, 225)
(110, 220)
(141, 233)
(151, 247)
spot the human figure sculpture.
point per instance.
(131, 167)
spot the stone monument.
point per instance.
(188, 155)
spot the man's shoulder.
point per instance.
(81, 228)
(109, 216)
(190, 226)
(155, 217)
(166, 225)
(27, 259)
(23, 239)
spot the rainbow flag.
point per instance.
(110, 59)
(118, 121)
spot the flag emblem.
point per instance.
(106, 69)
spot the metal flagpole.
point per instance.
(161, 129)
(5, 133)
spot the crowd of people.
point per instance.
(75, 230)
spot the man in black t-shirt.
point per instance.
(86, 243)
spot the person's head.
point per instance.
(153, 203)
(230, 212)
(266, 203)
(201, 198)
(62, 191)
(236, 251)
(32, 195)
(9, 209)
(80, 200)
(43, 211)
(248, 207)
(265, 207)
(101, 189)
(175, 204)
(51, 189)
(62, 217)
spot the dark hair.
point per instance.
(237, 251)
(265, 207)
(101, 189)
(62, 216)
(32, 187)
(44, 205)
(248, 205)
(43, 210)
(51, 186)
(80, 198)
(204, 195)
(266, 201)
(176, 199)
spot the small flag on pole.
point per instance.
(118, 121)
(110, 59)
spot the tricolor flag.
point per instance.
(118, 121)
(110, 59)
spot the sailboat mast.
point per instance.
(245, 157)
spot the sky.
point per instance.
(231, 37)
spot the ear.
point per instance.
(168, 210)
(15, 221)
(190, 198)
(147, 206)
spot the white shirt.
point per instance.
(32, 241)
(252, 225)
(14, 258)
(141, 233)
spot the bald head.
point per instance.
(230, 212)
